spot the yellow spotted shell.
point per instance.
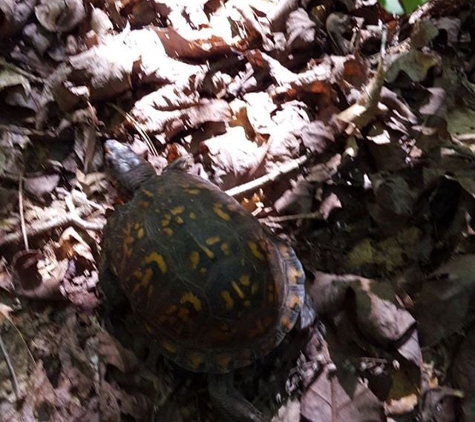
(211, 286)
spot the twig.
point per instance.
(22, 213)
(261, 181)
(138, 127)
(72, 218)
(26, 131)
(16, 69)
(316, 215)
(11, 370)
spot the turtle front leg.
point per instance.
(232, 405)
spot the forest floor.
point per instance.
(346, 130)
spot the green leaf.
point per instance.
(399, 7)
(411, 5)
(392, 6)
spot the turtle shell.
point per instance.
(211, 286)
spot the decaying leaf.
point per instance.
(234, 162)
(463, 375)
(156, 114)
(10, 78)
(199, 44)
(343, 396)
(42, 186)
(336, 393)
(14, 16)
(443, 306)
(60, 15)
(32, 277)
(415, 64)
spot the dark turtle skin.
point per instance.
(211, 286)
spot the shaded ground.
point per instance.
(364, 161)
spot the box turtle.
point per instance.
(212, 287)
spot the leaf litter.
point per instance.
(364, 162)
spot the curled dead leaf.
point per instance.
(33, 278)
(14, 15)
(232, 157)
(301, 30)
(444, 304)
(414, 63)
(60, 15)
(194, 45)
(462, 375)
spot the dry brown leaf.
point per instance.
(414, 63)
(34, 277)
(113, 353)
(72, 246)
(441, 404)
(423, 32)
(156, 114)
(298, 199)
(193, 45)
(104, 71)
(378, 316)
(342, 396)
(301, 30)
(14, 15)
(444, 305)
(259, 111)
(161, 70)
(232, 157)
(317, 137)
(41, 187)
(364, 111)
(41, 394)
(9, 78)
(60, 15)
(463, 375)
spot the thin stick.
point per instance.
(138, 127)
(26, 131)
(16, 69)
(316, 215)
(261, 181)
(11, 370)
(61, 221)
(22, 214)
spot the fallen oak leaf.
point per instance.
(301, 30)
(232, 156)
(378, 316)
(414, 63)
(60, 16)
(29, 280)
(165, 113)
(14, 16)
(314, 80)
(358, 115)
(336, 393)
(199, 44)
(448, 291)
(72, 218)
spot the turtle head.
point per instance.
(129, 169)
